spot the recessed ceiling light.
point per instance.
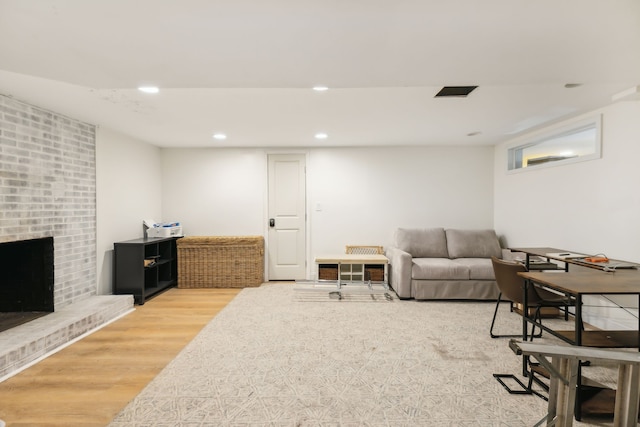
(149, 89)
(219, 136)
(572, 85)
(320, 88)
(321, 135)
(474, 133)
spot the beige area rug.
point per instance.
(270, 360)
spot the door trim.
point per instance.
(307, 236)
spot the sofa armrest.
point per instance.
(508, 255)
(400, 263)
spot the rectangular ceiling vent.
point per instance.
(455, 91)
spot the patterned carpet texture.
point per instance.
(273, 359)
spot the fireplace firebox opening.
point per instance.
(26, 276)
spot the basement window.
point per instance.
(577, 142)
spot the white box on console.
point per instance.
(175, 231)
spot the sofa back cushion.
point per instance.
(473, 244)
(422, 242)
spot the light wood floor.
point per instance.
(89, 382)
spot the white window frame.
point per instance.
(557, 132)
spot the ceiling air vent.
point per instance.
(455, 91)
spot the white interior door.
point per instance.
(287, 217)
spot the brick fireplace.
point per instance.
(48, 192)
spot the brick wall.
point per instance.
(48, 189)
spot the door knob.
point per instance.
(272, 222)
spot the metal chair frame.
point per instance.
(537, 302)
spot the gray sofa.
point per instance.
(434, 263)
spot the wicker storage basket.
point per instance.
(328, 272)
(374, 273)
(220, 261)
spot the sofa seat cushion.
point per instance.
(438, 269)
(479, 268)
(422, 242)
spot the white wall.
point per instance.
(128, 183)
(363, 193)
(592, 206)
(214, 192)
(588, 207)
(366, 193)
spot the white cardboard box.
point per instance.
(165, 231)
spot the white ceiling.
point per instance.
(246, 67)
